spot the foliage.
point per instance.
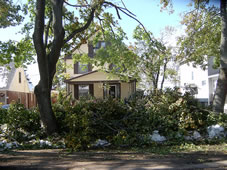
(173, 114)
(3, 115)
(9, 14)
(126, 123)
(21, 121)
(21, 53)
(60, 76)
(130, 123)
(202, 36)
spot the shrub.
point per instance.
(109, 119)
(3, 116)
(21, 121)
(172, 113)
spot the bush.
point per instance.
(129, 123)
(172, 113)
(21, 121)
(122, 123)
(3, 116)
(110, 119)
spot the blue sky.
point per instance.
(147, 11)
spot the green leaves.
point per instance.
(19, 52)
(9, 14)
(202, 38)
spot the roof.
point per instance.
(95, 76)
(82, 75)
(6, 75)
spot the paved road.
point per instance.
(57, 159)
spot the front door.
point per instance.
(112, 91)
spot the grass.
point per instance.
(183, 148)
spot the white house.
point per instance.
(196, 79)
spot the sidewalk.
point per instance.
(56, 159)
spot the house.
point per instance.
(212, 79)
(195, 80)
(14, 86)
(86, 79)
(201, 82)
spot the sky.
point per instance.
(146, 11)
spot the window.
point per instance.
(19, 77)
(82, 68)
(98, 45)
(83, 91)
(203, 82)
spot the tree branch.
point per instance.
(38, 38)
(47, 30)
(81, 29)
(77, 6)
(57, 43)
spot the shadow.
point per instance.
(60, 159)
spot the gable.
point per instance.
(19, 81)
(94, 76)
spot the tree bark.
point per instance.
(47, 62)
(220, 94)
(46, 113)
(221, 90)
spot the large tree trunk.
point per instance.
(221, 90)
(220, 94)
(46, 113)
(48, 58)
(47, 62)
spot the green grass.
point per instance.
(183, 148)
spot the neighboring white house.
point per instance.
(202, 81)
(196, 79)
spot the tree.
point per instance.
(206, 35)
(63, 31)
(154, 58)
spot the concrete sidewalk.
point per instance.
(57, 159)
